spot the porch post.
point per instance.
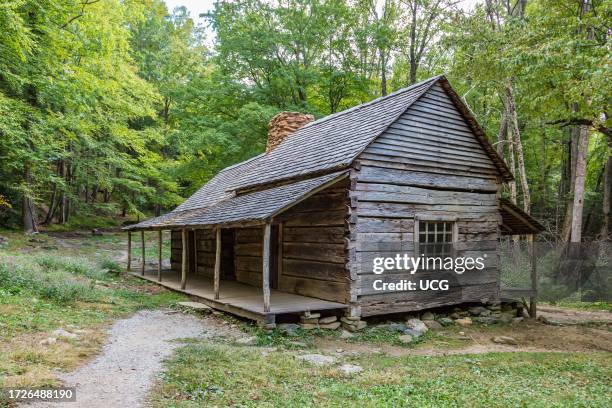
(534, 280)
(266, 268)
(159, 255)
(184, 259)
(217, 261)
(129, 251)
(142, 242)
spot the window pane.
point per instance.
(436, 237)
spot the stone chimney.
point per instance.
(284, 124)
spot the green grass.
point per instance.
(222, 375)
(80, 287)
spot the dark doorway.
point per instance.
(228, 238)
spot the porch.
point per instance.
(239, 298)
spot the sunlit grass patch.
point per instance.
(42, 291)
(225, 375)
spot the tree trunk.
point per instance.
(569, 211)
(578, 202)
(513, 119)
(413, 45)
(589, 217)
(607, 178)
(502, 137)
(28, 211)
(52, 206)
(383, 73)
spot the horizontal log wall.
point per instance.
(427, 165)
(205, 247)
(314, 246)
(176, 247)
(248, 255)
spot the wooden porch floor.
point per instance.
(238, 298)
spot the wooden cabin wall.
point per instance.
(313, 236)
(248, 255)
(428, 164)
(204, 256)
(176, 247)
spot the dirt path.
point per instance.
(572, 316)
(123, 373)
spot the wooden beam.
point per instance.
(534, 279)
(266, 267)
(184, 259)
(159, 256)
(217, 262)
(142, 243)
(129, 251)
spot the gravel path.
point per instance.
(121, 376)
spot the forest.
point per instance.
(120, 109)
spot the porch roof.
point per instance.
(252, 208)
(516, 221)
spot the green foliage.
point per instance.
(117, 107)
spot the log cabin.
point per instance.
(296, 229)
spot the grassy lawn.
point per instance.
(225, 375)
(76, 282)
(74, 285)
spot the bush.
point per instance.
(49, 278)
(111, 265)
(75, 266)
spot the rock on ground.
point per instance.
(415, 327)
(432, 325)
(247, 341)
(124, 371)
(505, 340)
(317, 359)
(350, 368)
(464, 321)
(65, 334)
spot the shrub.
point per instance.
(111, 265)
(48, 278)
(75, 266)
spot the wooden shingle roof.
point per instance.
(254, 207)
(516, 221)
(327, 145)
(331, 142)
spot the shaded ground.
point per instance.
(531, 336)
(571, 316)
(122, 374)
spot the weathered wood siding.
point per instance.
(204, 256)
(428, 164)
(176, 246)
(248, 255)
(314, 251)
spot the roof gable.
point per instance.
(332, 142)
(433, 135)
